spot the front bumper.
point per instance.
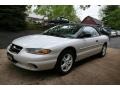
(33, 62)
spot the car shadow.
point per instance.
(26, 77)
(29, 73)
(86, 60)
(44, 75)
(52, 72)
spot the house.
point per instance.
(92, 21)
(59, 20)
(36, 18)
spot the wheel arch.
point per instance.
(69, 48)
(105, 43)
(57, 66)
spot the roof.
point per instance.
(95, 20)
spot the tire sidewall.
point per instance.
(59, 60)
(103, 53)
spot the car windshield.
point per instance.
(62, 31)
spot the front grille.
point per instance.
(15, 48)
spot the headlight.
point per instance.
(38, 51)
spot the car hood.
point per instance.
(40, 41)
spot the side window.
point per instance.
(90, 30)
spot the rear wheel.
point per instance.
(65, 62)
(103, 51)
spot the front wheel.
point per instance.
(65, 62)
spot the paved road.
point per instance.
(115, 42)
(93, 70)
(7, 37)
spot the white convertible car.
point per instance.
(59, 47)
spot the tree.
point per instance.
(108, 9)
(54, 11)
(12, 17)
(111, 16)
(113, 19)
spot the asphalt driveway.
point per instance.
(6, 37)
(93, 70)
(115, 42)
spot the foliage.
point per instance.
(111, 16)
(32, 26)
(12, 17)
(109, 8)
(54, 11)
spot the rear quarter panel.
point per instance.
(104, 39)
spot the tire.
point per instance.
(65, 62)
(103, 51)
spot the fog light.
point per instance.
(33, 65)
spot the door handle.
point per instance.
(96, 40)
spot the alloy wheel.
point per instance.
(66, 62)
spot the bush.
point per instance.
(12, 17)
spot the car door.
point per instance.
(91, 42)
